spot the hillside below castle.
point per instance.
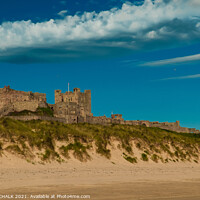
(70, 107)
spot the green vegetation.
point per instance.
(51, 155)
(144, 157)
(155, 158)
(15, 149)
(39, 112)
(79, 151)
(45, 112)
(1, 148)
(129, 158)
(43, 136)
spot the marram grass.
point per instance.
(78, 139)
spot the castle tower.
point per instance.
(73, 105)
(58, 96)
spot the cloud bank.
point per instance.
(130, 28)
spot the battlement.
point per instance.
(75, 96)
(116, 116)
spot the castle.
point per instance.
(69, 107)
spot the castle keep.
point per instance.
(73, 106)
(69, 107)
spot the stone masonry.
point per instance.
(69, 107)
(74, 106)
(13, 100)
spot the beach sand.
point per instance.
(100, 178)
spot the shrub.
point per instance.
(166, 160)
(138, 145)
(155, 158)
(1, 146)
(131, 159)
(144, 157)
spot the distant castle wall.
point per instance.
(29, 118)
(13, 100)
(117, 119)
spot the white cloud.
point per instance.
(182, 77)
(152, 35)
(173, 60)
(62, 13)
(125, 27)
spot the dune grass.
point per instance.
(152, 142)
(78, 149)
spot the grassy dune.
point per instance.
(43, 141)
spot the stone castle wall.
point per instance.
(13, 100)
(117, 119)
(29, 118)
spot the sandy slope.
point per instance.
(101, 178)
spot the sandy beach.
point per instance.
(100, 178)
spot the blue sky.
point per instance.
(139, 58)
